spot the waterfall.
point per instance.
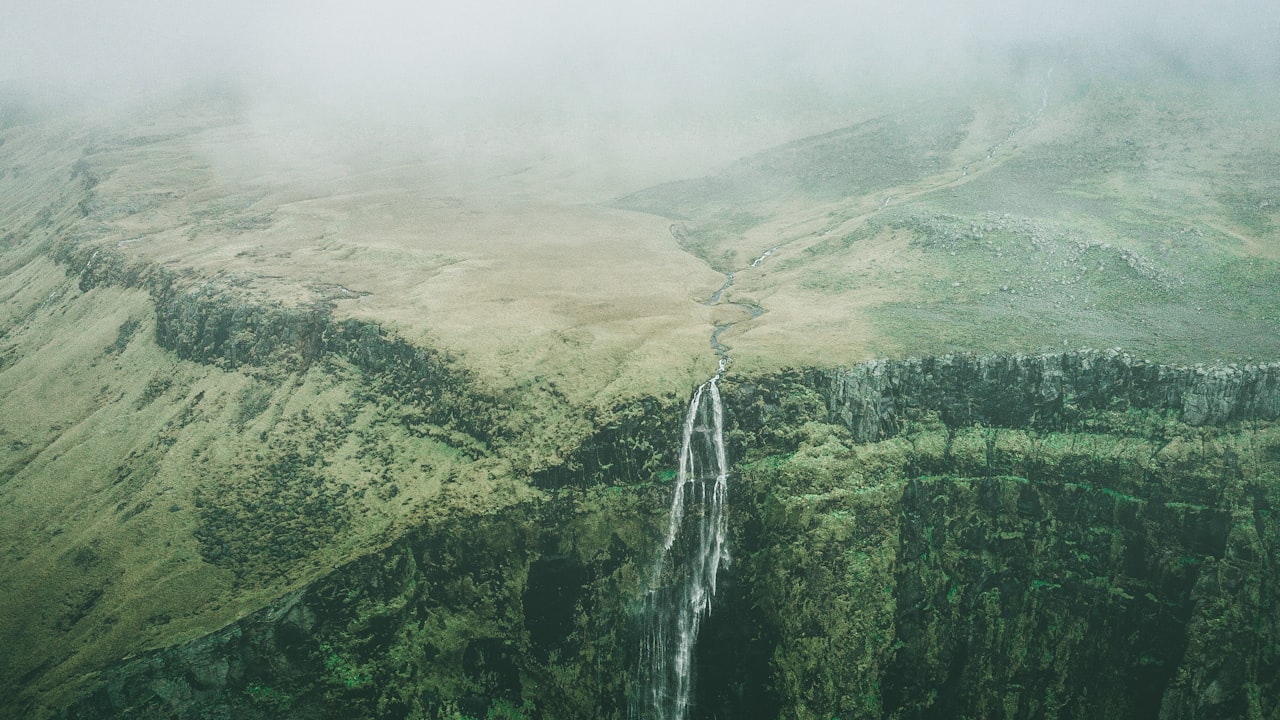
(683, 580)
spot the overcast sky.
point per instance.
(482, 48)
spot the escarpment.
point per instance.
(980, 535)
(879, 399)
(1056, 535)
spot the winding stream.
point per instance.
(682, 582)
(754, 311)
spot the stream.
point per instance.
(682, 582)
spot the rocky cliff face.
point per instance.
(879, 398)
(1077, 535)
(214, 322)
(1047, 593)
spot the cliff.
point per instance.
(1076, 535)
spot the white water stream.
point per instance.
(683, 581)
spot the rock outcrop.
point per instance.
(878, 399)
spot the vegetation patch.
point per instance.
(273, 516)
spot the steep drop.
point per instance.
(683, 581)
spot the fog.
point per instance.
(610, 75)
(543, 51)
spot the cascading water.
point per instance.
(684, 576)
(683, 581)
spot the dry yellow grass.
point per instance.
(518, 282)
